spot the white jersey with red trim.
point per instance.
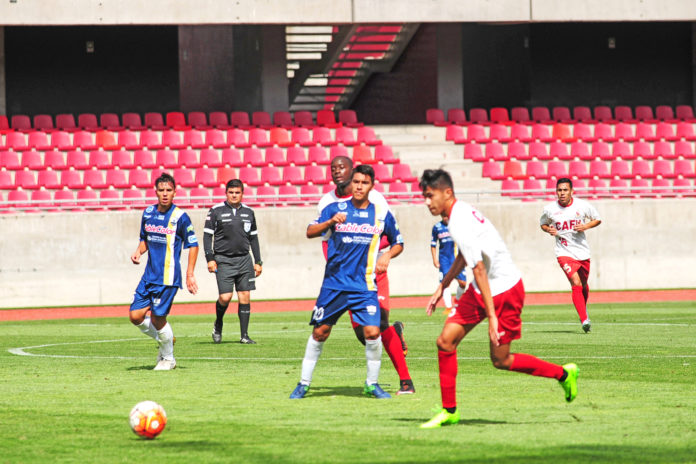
(478, 240)
(569, 242)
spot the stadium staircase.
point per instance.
(328, 66)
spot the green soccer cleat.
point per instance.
(376, 391)
(570, 384)
(442, 418)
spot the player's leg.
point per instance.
(452, 333)
(394, 346)
(162, 303)
(328, 308)
(373, 357)
(246, 281)
(571, 267)
(139, 309)
(584, 274)
(225, 283)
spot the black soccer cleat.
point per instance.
(245, 340)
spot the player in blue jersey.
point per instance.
(357, 226)
(164, 230)
(444, 258)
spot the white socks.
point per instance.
(312, 353)
(166, 342)
(148, 329)
(460, 292)
(447, 298)
(373, 354)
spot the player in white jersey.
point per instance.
(567, 220)
(496, 293)
(392, 335)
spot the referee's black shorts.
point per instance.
(234, 272)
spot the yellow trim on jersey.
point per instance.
(373, 252)
(169, 261)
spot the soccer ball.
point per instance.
(147, 419)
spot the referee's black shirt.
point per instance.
(233, 230)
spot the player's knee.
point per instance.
(225, 299)
(501, 363)
(321, 334)
(371, 332)
(445, 345)
(136, 318)
(359, 334)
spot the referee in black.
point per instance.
(230, 230)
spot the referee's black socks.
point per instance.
(219, 313)
(244, 313)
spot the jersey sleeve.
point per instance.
(391, 230)
(591, 212)
(433, 240)
(464, 234)
(325, 214)
(188, 235)
(143, 234)
(208, 234)
(545, 218)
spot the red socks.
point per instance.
(579, 300)
(532, 365)
(392, 345)
(448, 378)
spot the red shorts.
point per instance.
(570, 266)
(382, 294)
(508, 307)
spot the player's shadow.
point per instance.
(148, 368)
(558, 332)
(461, 421)
(335, 391)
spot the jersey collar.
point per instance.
(571, 202)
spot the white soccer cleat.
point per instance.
(586, 325)
(165, 365)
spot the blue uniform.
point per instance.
(448, 249)
(165, 234)
(349, 276)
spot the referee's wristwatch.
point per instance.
(260, 263)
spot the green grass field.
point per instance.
(69, 400)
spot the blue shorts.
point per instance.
(444, 269)
(158, 298)
(332, 303)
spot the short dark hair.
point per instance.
(564, 180)
(232, 183)
(435, 179)
(366, 170)
(345, 159)
(165, 178)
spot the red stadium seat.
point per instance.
(535, 170)
(665, 113)
(496, 152)
(337, 150)
(618, 188)
(367, 136)
(580, 150)
(624, 114)
(266, 195)
(240, 120)
(210, 158)
(271, 175)
(198, 120)
(49, 180)
(43, 122)
(644, 132)
(477, 133)
(16, 141)
(292, 175)
(578, 170)
(500, 115)
(296, 156)
(513, 170)
(232, 157)
(237, 138)
(132, 121)
(66, 122)
(641, 168)
(176, 120)
(155, 121)
(665, 131)
(185, 177)
(662, 169)
(88, 122)
(538, 150)
(511, 188)
(322, 136)
(384, 154)
(250, 176)
(216, 138)
(541, 114)
(219, 120)
(253, 157)
(259, 138)
(275, 156)
(315, 174)
(541, 133)
(624, 131)
(662, 188)
(110, 122)
(42, 199)
(21, 122)
(261, 119)
(492, 170)
(645, 113)
(562, 114)
(556, 169)
(520, 115)
(345, 136)
(166, 159)
(684, 149)
(64, 199)
(94, 179)
(207, 177)
(474, 152)
(172, 139)
(195, 139)
(327, 118)
(604, 114)
(106, 140)
(619, 150)
(520, 133)
(132, 197)
(643, 150)
(200, 197)
(583, 114)
(99, 159)
(303, 119)
(283, 119)
(139, 178)
(310, 193)
(151, 140)
(685, 131)
(455, 134)
(72, 179)
(685, 113)
(402, 172)
(663, 150)
(518, 151)
(349, 118)
(599, 169)
(77, 160)
(684, 168)
(110, 199)
(317, 155)
(499, 133)
(362, 155)
(435, 116)
(559, 150)
(301, 136)
(280, 137)
(129, 140)
(144, 159)
(478, 116)
(188, 158)
(6, 180)
(456, 116)
(32, 160)
(54, 160)
(117, 178)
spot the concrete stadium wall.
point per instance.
(63, 259)
(178, 12)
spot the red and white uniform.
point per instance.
(570, 243)
(378, 199)
(478, 240)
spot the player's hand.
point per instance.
(212, 266)
(257, 269)
(432, 303)
(135, 258)
(436, 264)
(493, 331)
(191, 284)
(552, 231)
(339, 218)
(383, 263)
(579, 227)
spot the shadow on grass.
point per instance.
(334, 391)
(559, 332)
(149, 368)
(461, 422)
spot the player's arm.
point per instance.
(255, 248)
(191, 284)
(141, 250)
(587, 225)
(457, 266)
(547, 225)
(386, 257)
(436, 261)
(317, 229)
(208, 235)
(481, 278)
(393, 237)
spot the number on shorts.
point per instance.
(318, 313)
(567, 268)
